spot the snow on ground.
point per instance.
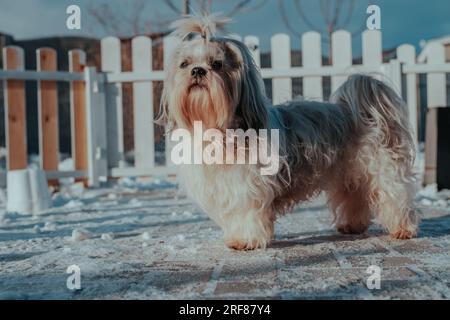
(142, 239)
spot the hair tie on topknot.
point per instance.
(206, 26)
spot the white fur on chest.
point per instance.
(225, 189)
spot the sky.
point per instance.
(402, 21)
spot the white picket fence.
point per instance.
(103, 90)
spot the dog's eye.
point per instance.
(217, 65)
(184, 64)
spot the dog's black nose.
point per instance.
(198, 72)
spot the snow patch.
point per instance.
(49, 226)
(107, 236)
(80, 235)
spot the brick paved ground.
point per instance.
(166, 248)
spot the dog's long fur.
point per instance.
(358, 148)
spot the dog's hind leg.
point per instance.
(390, 193)
(351, 209)
(393, 192)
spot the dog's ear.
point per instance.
(252, 108)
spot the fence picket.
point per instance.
(312, 58)
(437, 97)
(252, 44)
(406, 54)
(48, 113)
(96, 127)
(144, 134)
(372, 51)
(281, 59)
(342, 55)
(170, 44)
(395, 75)
(15, 110)
(111, 62)
(77, 62)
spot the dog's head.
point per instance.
(212, 79)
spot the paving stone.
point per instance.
(183, 256)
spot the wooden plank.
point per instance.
(372, 51)
(135, 76)
(427, 68)
(406, 54)
(97, 171)
(312, 58)
(15, 111)
(437, 97)
(48, 113)
(77, 62)
(341, 43)
(64, 174)
(323, 71)
(170, 44)
(2, 179)
(395, 76)
(112, 63)
(281, 59)
(252, 44)
(40, 76)
(144, 134)
(436, 82)
(144, 171)
(431, 138)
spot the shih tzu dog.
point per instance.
(358, 149)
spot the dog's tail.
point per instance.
(386, 150)
(378, 110)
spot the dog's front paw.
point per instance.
(403, 234)
(236, 244)
(351, 229)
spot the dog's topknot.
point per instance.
(206, 26)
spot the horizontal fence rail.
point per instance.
(96, 97)
(41, 76)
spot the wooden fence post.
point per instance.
(48, 113)
(96, 127)
(437, 97)
(341, 43)
(372, 52)
(112, 62)
(406, 54)
(312, 58)
(170, 43)
(15, 111)
(252, 43)
(395, 76)
(281, 59)
(144, 133)
(77, 62)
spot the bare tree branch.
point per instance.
(324, 9)
(352, 5)
(257, 6)
(337, 14)
(128, 19)
(286, 19)
(305, 19)
(238, 7)
(172, 6)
